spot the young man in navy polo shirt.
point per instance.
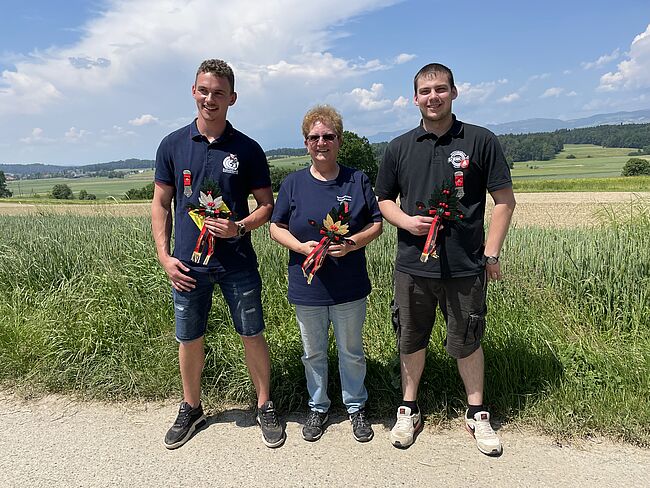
(211, 150)
(466, 159)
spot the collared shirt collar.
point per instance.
(455, 130)
(197, 136)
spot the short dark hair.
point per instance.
(432, 68)
(219, 68)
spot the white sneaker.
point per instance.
(486, 439)
(407, 425)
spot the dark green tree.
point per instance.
(62, 192)
(278, 175)
(84, 195)
(144, 193)
(4, 191)
(636, 167)
(356, 152)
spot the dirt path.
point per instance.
(57, 442)
(562, 209)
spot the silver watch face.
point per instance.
(491, 260)
(241, 230)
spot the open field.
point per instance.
(102, 187)
(591, 161)
(548, 209)
(85, 309)
(594, 169)
(291, 162)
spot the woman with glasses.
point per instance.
(325, 215)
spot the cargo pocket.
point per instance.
(475, 328)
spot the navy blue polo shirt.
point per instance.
(418, 162)
(303, 197)
(237, 163)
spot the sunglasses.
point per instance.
(325, 137)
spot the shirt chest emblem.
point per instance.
(344, 198)
(231, 164)
(459, 160)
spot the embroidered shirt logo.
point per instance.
(231, 164)
(459, 159)
(344, 198)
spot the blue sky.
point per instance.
(99, 80)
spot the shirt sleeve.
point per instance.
(259, 175)
(282, 209)
(386, 185)
(497, 170)
(164, 172)
(371, 199)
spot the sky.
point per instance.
(100, 80)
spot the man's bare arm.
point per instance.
(161, 227)
(504, 206)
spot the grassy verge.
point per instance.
(84, 308)
(627, 183)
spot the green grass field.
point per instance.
(590, 162)
(85, 309)
(102, 187)
(594, 169)
(291, 162)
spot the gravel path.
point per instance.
(57, 442)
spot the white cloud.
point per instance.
(401, 102)
(478, 93)
(602, 60)
(633, 72)
(144, 119)
(75, 135)
(572, 93)
(362, 99)
(131, 41)
(510, 98)
(404, 58)
(37, 137)
(552, 92)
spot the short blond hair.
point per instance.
(325, 114)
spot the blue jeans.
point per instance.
(347, 320)
(242, 291)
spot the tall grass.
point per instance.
(615, 183)
(85, 308)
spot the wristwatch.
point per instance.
(491, 259)
(241, 229)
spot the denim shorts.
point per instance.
(242, 290)
(461, 301)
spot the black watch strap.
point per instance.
(491, 259)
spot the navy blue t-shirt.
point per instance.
(237, 163)
(303, 197)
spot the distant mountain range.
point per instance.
(547, 125)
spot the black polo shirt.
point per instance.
(237, 163)
(418, 162)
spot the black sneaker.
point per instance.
(313, 428)
(189, 419)
(361, 428)
(272, 432)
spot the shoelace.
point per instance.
(483, 428)
(359, 419)
(404, 422)
(269, 417)
(313, 420)
(183, 417)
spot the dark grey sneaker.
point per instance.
(313, 428)
(361, 428)
(272, 431)
(189, 419)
